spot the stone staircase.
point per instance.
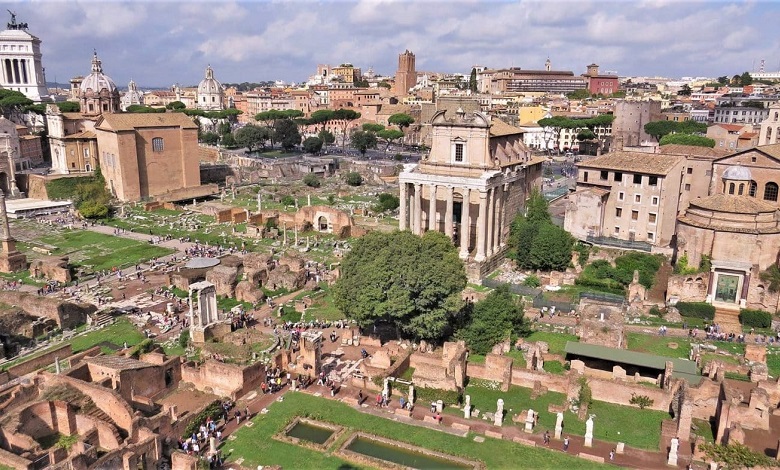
(100, 319)
(728, 320)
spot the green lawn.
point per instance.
(658, 345)
(256, 446)
(638, 428)
(773, 361)
(116, 334)
(556, 341)
(99, 251)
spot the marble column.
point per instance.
(464, 225)
(448, 213)
(417, 209)
(481, 227)
(491, 220)
(432, 208)
(403, 215)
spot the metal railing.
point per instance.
(617, 243)
(514, 288)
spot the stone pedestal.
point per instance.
(558, 425)
(467, 411)
(529, 421)
(672, 460)
(589, 432)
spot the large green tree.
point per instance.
(498, 317)
(286, 133)
(345, 116)
(535, 242)
(658, 129)
(69, 106)
(327, 137)
(312, 145)
(362, 141)
(402, 120)
(688, 139)
(13, 102)
(389, 136)
(252, 137)
(473, 80)
(411, 282)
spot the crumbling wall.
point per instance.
(224, 279)
(227, 380)
(68, 315)
(53, 268)
(688, 287)
(44, 360)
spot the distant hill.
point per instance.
(66, 86)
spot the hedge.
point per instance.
(701, 310)
(755, 318)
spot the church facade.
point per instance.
(476, 178)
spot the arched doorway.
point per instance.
(322, 224)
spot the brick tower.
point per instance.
(406, 75)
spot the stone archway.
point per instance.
(322, 224)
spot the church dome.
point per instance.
(209, 85)
(97, 81)
(737, 173)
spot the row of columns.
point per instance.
(16, 71)
(489, 222)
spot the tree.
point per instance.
(724, 80)
(685, 90)
(252, 137)
(498, 317)
(581, 94)
(556, 124)
(410, 282)
(551, 249)
(745, 79)
(345, 116)
(210, 138)
(175, 105)
(389, 135)
(687, 139)
(586, 134)
(311, 180)
(321, 117)
(402, 120)
(473, 80)
(772, 277)
(224, 127)
(13, 102)
(69, 106)
(536, 242)
(362, 141)
(286, 133)
(691, 127)
(372, 127)
(137, 108)
(228, 140)
(353, 178)
(658, 129)
(387, 202)
(327, 137)
(312, 145)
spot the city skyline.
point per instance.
(158, 44)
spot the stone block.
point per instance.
(524, 441)
(494, 434)
(461, 426)
(591, 457)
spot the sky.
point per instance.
(165, 42)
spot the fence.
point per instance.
(603, 297)
(541, 302)
(514, 288)
(616, 243)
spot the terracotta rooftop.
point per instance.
(734, 204)
(82, 135)
(117, 362)
(693, 150)
(634, 162)
(130, 121)
(499, 128)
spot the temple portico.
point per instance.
(475, 180)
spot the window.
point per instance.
(618, 176)
(459, 153)
(752, 190)
(604, 175)
(690, 170)
(652, 180)
(157, 144)
(652, 218)
(731, 188)
(753, 159)
(617, 230)
(585, 176)
(770, 192)
(637, 179)
(650, 236)
(621, 195)
(618, 212)
(634, 215)
(637, 198)
(741, 189)
(687, 187)
(655, 200)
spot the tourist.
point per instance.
(547, 438)
(238, 417)
(612, 454)
(360, 397)
(566, 444)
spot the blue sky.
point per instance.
(161, 43)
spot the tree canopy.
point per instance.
(362, 141)
(659, 129)
(69, 106)
(312, 145)
(687, 139)
(327, 137)
(372, 127)
(139, 108)
(353, 178)
(401, 120)
(272, 115)
(495, 318)
(175, 105)
(473, 80)
(411, 282)
(252, 137)
(12, 101)
(535, 242)
(286, 133)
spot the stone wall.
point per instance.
(44, 360)
(215, 173)
(68, 315)
(53, 268)
(688, 287)
(226, 380)
(14, 461)
(36, 187)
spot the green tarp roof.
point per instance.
(683, 368)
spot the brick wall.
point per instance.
(66, 314)
(39, 362)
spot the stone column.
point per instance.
(491, 219)
(403, 215)
(481, 227)
(464, 225)
(499, 230)
(417, 209)
(448, 213)
(432, 208)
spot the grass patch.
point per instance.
(117, 334)
(519, 359)
(477, 358)
(257, 448)
(556, 341)
(704, 429)
(616, 423)
(227, 303)
(658, 345)
(554, 367)
(773, 361)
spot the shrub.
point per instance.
(311, 180)
(585, 395)
(701, 310)
(214, 410)
(642, 401)
(532, 281)
(288, 201)
(755, 318)
(657, 312)
(354, 179)
(736, 455)
(184, 338)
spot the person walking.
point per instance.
(566, 444)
